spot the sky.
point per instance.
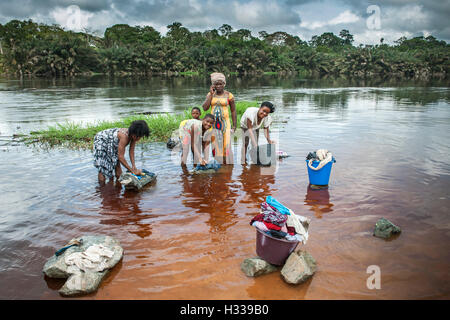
(367, 20)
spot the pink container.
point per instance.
(273, 250)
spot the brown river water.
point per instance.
(186, 236)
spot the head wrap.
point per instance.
(216, 76)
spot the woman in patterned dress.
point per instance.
(109, 149)
(218, 99)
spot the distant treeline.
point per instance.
(29, 48)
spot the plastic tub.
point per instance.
(320, 177)
(273, 250)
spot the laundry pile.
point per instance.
(281, 222)
(94, 258)
(322, 155)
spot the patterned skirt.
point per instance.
(106, 145)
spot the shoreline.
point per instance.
(81, 135)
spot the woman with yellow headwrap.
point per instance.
(218, 99)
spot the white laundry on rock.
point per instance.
(94, 258)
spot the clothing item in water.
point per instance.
(214, 165)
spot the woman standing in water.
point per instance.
(109, 149)
(218, 99)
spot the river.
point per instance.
(186, 236)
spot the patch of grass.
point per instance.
(270, 73)
(79, 135)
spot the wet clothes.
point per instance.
(322, 155)
(288, 226)
(213, 165)
(106, 146)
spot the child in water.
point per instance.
(195, 114)
(196, 133)
(109, 149)
(252, 120)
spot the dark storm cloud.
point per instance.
(206, 14)
(408, 17)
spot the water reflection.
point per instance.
(319, 201)
(214, 194)
(122, 210)
(257, 183)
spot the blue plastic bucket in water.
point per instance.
(320, 177)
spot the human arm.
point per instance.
(207, 104)
(206, 150)
(195, 149)
(123, 141)
(267, 135)
(233, 113)
(251, 133)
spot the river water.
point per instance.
(185, 237)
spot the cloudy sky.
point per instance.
(367, 20)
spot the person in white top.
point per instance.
(252, 120)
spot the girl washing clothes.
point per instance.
(109, 149)
(196, 135)
(252, 120)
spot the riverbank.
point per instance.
(81, 135)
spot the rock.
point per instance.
(83, 281)
(385, 229)
(254, 267)
(299, 267)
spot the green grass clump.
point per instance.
(79, 135)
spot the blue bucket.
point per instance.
(320, 177)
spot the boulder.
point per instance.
(385, 229)
(82, 280)
(254, 267)
(299, 267)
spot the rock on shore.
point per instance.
(83, 281)
(254, 267)
(299, 267)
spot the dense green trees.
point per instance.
(27, 47)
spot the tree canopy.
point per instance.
(27, 47)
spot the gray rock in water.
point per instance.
(385, 229)
(83, 281)
(299, 267)
(254, 267)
